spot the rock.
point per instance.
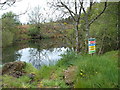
(69, 75)
(14, 69)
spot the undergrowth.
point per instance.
(91, 72)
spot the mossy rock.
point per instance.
(14, 68)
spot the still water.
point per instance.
(38, 53)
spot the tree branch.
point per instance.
(8, 3)
(91, 4)
(68, 10)
(81, 3)
(99, 14)
(79, 11)
(75, 7)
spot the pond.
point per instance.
(36, 52)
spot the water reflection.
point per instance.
(37, 52)
(41, 57)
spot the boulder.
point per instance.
(14, 69)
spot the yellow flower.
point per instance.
(65, 23)
(81, 73)
(40, 84)
(96, 72)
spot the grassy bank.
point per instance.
(78, 71)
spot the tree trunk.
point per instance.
(102, 43)
(87, 33)
(87, 37)
(77, 38)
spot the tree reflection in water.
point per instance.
(37, 52)
(41, 57)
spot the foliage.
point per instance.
(35, 18)
(29, 68)
(9, 81)
(68, 59)
(53, 84)
(22, 37)
(12, 17)
(94, 71)
(5, 40)
(46, 75)
(105, 28)
(9, 29)
(33, 31)
(91, 72)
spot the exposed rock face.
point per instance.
(14, 69)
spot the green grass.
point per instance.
(98, 72)
(11, 82)
(91, 72)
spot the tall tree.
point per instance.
(75, 8)
(72, 8)
(105, 29)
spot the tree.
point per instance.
(66, 8)
(9, 28)
(74, 8)
(11, 16)
(36, 19)
(105, 28)
(90, 17)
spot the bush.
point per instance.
(7, 38)
(33, 31)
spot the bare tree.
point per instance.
(36, 19)
(75, 9)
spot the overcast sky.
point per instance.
(22, 5)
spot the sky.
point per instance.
(22, 6)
